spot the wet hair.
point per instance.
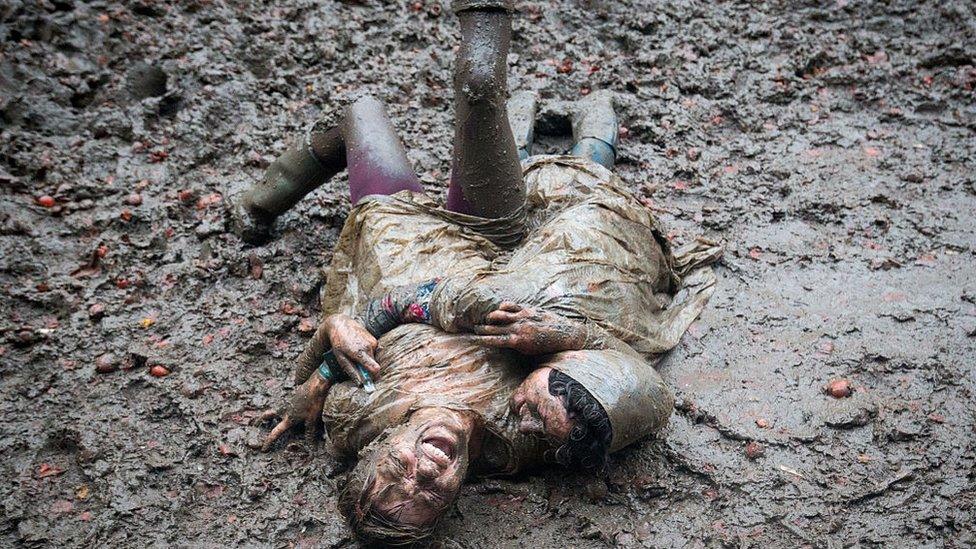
(355, 504)
(588, 445)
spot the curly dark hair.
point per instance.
(589, 440)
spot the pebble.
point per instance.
(106, 363)
(191, 389)
(134, 199)
(597, 490)
(159, 371)
(838, 388)
(96, 311)
(27, 337)
(754, 450)
(47, 201)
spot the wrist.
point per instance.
(318, 383)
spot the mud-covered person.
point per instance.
(445, 403)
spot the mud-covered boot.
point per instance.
(595, 128)
(303, 167)
(457, 6)
(521, 117)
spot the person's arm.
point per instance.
(534, 332)
(304, 406)
(403, 305)
(339, 346)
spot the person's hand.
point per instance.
(352, 344)
(304, 406)
(529, 331)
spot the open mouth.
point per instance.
(439, 449)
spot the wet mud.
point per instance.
(831, 145)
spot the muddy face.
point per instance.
(421, 468)
(541, 413)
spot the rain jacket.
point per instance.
(591, 252)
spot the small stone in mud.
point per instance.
(27, 337)
(134, 199)
(754, 450)
(838, 388)
(46, 201)
(596, 490)
(258, 160)
(191, 389)
(306, 325)
(257, 266)
(106, 363)
(693, 154)
(96, 311)
(762, 423)
(147, 81)
(159, 371)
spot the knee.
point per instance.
(478, 79)
(365, 104)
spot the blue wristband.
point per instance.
(328, 363)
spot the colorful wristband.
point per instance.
(329, 366)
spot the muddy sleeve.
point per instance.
(458, 304)
(596, 338)
(403, 305)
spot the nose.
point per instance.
(529, 423)
(408, 459)
(517, 399)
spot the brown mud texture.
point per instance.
(830, 144)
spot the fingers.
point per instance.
(275, 433)
(348, 367)
(501, 341)
(367, 361)
(510, 306)
(502, 317)
(267, 414)
(490, 330)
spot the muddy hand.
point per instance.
(353, 345)
(529, 331)
(304, 406)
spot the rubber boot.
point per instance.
(303, 167)
(595, 128)
(457, 6)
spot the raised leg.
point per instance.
(486, 177)
(362, 139)
(376, 158)
(595, 128)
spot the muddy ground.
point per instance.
(831, 145)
